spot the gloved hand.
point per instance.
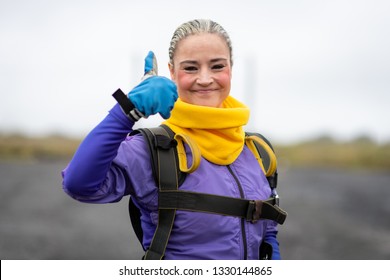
(155, 94)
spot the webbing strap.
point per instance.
(127, 106)
(251, 210)
(156, 249)
(181, 152)
(263, 152)
(168, 180)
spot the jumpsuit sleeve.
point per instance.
(271, 238)
(92, 176)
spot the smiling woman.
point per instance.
(202, 70)
(228, 180)
(200, 63)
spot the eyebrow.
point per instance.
(196, 62)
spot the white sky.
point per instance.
(304, 67)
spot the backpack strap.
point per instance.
(263, 151)
(182, 157)
(168, 177)
(265, 155)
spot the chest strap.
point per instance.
(251, 210)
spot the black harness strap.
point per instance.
(135, 218)
(251, 210)
(168, 180)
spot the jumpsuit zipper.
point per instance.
(242, 219)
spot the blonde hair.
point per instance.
(198, 26)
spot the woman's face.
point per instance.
(202, 70)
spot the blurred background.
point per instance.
(315, 75)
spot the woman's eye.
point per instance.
(190, 68)
(218, 66)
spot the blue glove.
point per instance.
(155, 94)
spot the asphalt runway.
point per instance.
(333, 215)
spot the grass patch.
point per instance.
(361, 153)
(42, 148)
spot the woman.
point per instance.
(109, 165)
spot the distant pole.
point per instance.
(250, 86)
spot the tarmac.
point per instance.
(332, 215)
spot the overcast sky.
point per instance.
(304, 67)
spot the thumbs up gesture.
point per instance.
(155, 94)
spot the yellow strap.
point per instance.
(196, 154)
(272, 157)
(195, 151)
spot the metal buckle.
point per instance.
(250, 210)
(276, 199)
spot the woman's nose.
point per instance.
(204, 78)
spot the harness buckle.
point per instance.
(252, 213)
(276, 199)
(164, 142)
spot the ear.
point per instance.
(171, 71)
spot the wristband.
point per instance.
(127, 106)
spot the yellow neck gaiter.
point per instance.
(217, 131)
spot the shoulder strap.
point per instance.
(161, 137)
(265, 155)
(135, 218)
(168, 176)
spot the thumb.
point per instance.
(150, 65)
